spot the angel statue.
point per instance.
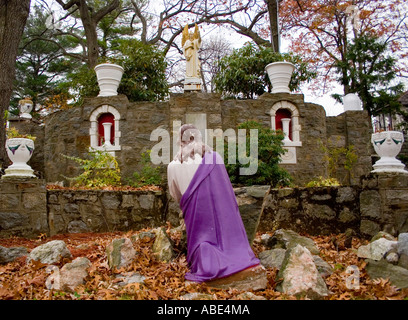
(191, 42)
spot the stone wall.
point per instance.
(68, 132)
(23, 208)
(315, 211)
(104, 211)
(380, 203)
(351, 128)
(384, 203)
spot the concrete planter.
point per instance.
(280, 74)
(19, 151)
(109, 76)
(387, 145)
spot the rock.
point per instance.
(254, 278)
(272, 258)
(397, 275)
(300, 275)
(392, 257)
(69, 277)
(322, 266)
(10, 254)
(163, 246)
(383, 234)
(50, 252)
(402, 248)
(120, 253)
(147, 235)
(376, 250)
(265, 239)
(286, 239)
(77, 227)
(250, 200)
(349, 234)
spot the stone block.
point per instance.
(370, 204)
(9, 201)
(10, 220)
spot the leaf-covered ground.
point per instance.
(165, 281)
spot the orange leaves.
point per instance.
(165, 281)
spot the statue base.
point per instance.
(253, 278)
(192, 84)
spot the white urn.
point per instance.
(388, 144)
(109, 76)
(279, 74)
(19, 151)
(352, 102)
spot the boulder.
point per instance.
(383, 234)
(163, 246)
(300, 276)
(287, 239)
(402, 248)
(397, 275)
(10, 254)
(272, 258)
(69, 277)
(250, 200)
(322, 266)
(377, 249)
(120, 253)
(50, 253)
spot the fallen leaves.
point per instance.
(165, 281)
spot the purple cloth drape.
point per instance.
(217, 244)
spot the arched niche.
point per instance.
(104, 114)
(279, 112)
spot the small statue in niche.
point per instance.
(26, 106)
(191, 43)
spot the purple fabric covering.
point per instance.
(217, 244)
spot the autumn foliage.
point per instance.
(165, 281)
(321, 30)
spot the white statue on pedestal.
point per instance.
(191, 43)
(25, 106)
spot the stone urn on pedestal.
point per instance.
(388, 144)
(109, 76)
(19, 151)
(279, 74)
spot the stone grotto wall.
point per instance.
(68, 131)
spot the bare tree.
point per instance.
(13, 16)
(211, 52)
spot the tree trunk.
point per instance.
(13, 17)
(273, 10)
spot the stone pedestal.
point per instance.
(251, 278)
(192, 84)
